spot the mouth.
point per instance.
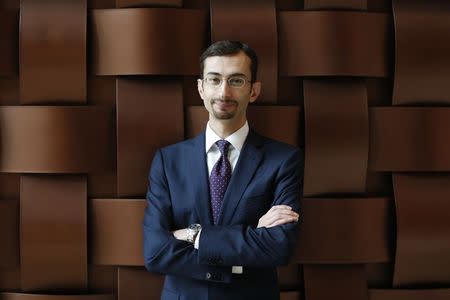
(223, 105)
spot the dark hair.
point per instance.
(226, 47)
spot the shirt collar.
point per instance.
(236, 139)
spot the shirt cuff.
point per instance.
(197, 239)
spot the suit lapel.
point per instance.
(199, 181)
(248, 162)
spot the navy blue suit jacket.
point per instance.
(267, 173)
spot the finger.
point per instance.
(281, 206)
(280, 216)
(276, 212)
(282, 212)
(282, 221)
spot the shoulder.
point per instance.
(275, 149)
(179, 146)
(182, 148)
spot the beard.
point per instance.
(224, 115)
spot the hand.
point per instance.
(180, 234)
(278, 215)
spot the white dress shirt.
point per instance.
(236, 139)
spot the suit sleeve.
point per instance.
(243, 245)
(163, 253)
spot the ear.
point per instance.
(255, 91)
(200, 87)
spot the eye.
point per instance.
(213, 80)
(236, 81)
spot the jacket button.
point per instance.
(208, 275)
(220, 261)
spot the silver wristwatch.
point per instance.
(192, 232)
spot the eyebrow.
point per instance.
(231, 75)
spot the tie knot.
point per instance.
(223, 146)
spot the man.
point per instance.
(222, 208)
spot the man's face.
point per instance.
(225, 102)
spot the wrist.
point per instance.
(192, 232)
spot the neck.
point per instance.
(224, 128)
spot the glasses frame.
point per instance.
(222, 79)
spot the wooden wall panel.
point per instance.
(413, 294)
(421, 70)
(331, 131)
(54, 139)
(336, 231)
(341, 282)
(423, 248)
(9, 28)
(89, 89)
(230, 21)
(9, 233)
(124, 41)
(112, 221)
(21, 296)
(328, 43)
(142, 129)
(148, 3)
(335, 4)
(138, 283)
(53, 51)
(53, 233)
(409, 139)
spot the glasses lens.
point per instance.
(213, 80)
(236, 81)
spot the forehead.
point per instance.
(227, 65)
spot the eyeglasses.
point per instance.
(234, 81)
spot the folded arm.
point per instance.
(221, 247)
(268, 245)
(163, 253)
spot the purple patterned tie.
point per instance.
(219, 179)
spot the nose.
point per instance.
(225, 90)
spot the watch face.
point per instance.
(195, 226)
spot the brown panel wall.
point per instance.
(53, 233)
(361, 86)
(409, 139)
(52, 139)
(327, 43)
(20, 296)
(422, 65)
(230, 21)
(418, 294)
(423, 249)
(331, 132)
(345, 231)
(137, 284)
(341, 282)
(142, 129)
(148, 3)
(52, 51)
(9, 233)
(9, 25)
(111, 222)
(123, 41)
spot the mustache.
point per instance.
(223, 100)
